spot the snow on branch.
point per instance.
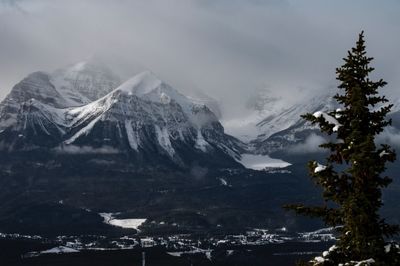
(329, 119)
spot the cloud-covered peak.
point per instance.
(141, 84)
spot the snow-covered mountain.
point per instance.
(200, 97)
(287, 128)
(71, 86)
(144, 117)
(85, 81)
(274, 123)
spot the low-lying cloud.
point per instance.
(310, 145)
(74, 149)
(389, 136)
(228, 48)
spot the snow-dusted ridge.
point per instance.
(140, 101)
(143, 115)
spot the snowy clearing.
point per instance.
(59, 250)
(261, 162)
(123, 223)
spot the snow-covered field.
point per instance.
(261, 162)
(124, 223)
(59, 250)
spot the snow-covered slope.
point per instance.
(270, 114)
(35, 86)
(282, 128)
(201, 98)
(145, 115)
(36, 124)
(84, 82)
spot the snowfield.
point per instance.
(261, 162)
(123, 223)
(59, 250)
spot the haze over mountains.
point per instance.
(87, 105)
(126, 124)
(83, 106)
(67, 135)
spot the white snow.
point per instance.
(319, 168)
(365, 262)
(164, 98)
(208, 255)
(133, 137)
(84, 82)
(70, 95)
(223, 182)
(127, 223)
(383, 153)
(140, 84)
(270, 112)
(124, 223)
(201, 143)
(195, 250)
(332, 248)
(319, 259)
(59, 250)
(335, 128)
(337, 116)
(83, 131)
(163, 140)
(318, 114)
(329, 119)
(149, 87)
(260, 162)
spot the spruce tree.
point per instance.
(351, 179)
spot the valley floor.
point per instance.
(253, 247)
(281, 254)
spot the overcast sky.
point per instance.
(228, 48)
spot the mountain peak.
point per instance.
(141, 84)
(88, 80)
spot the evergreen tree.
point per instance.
(353, 196)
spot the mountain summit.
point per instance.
(144, 117)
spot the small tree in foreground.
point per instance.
(353, 196)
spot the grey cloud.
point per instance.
(73, 149)
(389, 136)
(225, 47)
(310, 145)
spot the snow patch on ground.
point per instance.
(124, 223)
(261, 162)
(59, 250)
